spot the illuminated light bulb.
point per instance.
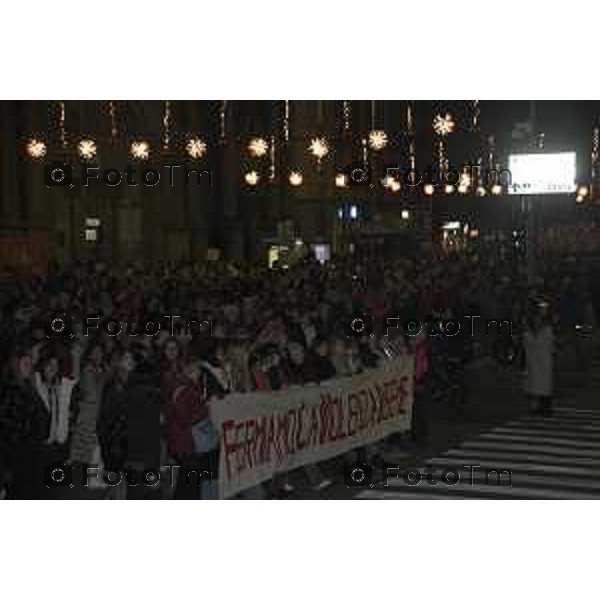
(196, 148)
(465, 180)
(378, 139)
(387, 181)
(140, 150)
(395, 186)
(340, 180)
(295, 178)
(579, 199)
(405, 214)
(443, 125)
(449, 189)
(252, 178)
(583, 191)
(87, 149)
(481, 191)
(496, 189)
(36, 148)
(258, 147)
(318, 147)
(429, 189)
(463, 189)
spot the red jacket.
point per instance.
(186, 406)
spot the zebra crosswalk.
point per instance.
(553, 457)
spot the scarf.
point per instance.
(57, 398)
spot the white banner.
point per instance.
(264, 433)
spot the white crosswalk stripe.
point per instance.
(554, 457)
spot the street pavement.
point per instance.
(511, 453)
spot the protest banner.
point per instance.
(265, 433)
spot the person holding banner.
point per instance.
(189, 433)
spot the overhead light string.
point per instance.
(166, 124)
(222, 120)
(476, 115)
(346, 110)
(410, 128)
(377, 137)
(62, 128)
(595, 183)
(286, 121)
(112, 112)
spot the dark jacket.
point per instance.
(24, 428)
(111, 426)
(143, 412)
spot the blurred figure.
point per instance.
(188, 435)
(538, 342)
(56, 393)
(24, 431)
(89, 392)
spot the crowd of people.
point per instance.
(134, 399)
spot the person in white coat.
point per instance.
(56, 394)
(538, 343)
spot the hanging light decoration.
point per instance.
(140, 149)
(258, 147)
(449, 189)
(87, 149)
(295, 178)
(63, 130)
(318, 147)
(443, 125)
(395, 186)
(410, 128)
(36, 148)
(286, 120)
(476, 114)
(595, 181)
(378, 139)
(167, 124)
(340, 180)
(346, 115)
(252, 178)
(481, 191)
(222, 119)
(196, 148)
(272, 157)
(112, 112)
(464, 183)
(429, 189)
(496, 189)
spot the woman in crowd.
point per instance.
(538, 342)
(112, 424)
(189, 435)
(57, 396)
(89, 394)
(171, 367)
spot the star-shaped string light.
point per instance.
(140, 149)
(258, 147)
(196, 148)
(443, 125)
(36, 148)
(87, 149)
(318, 147)
(378, 139)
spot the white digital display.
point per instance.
(542, 173)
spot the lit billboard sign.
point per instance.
(542, 173)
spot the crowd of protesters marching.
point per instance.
(136, 399)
